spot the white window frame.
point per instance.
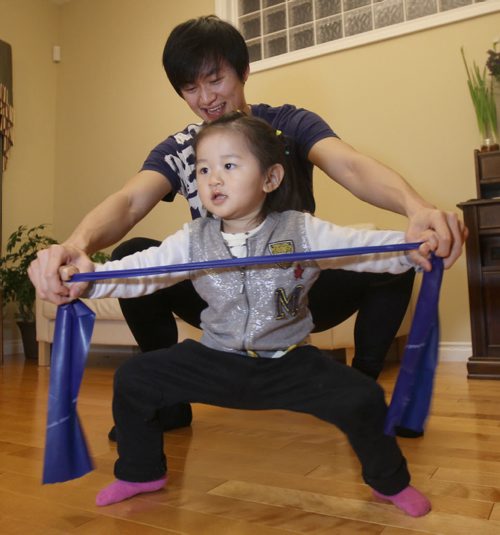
(227, 10)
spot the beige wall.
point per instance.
(31, 27)
(404, 101)
(115, 102)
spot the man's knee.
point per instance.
(409, 277)
(367, 365)
(367, 405)
(129, 375)
(402, 281)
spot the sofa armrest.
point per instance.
(110, 327)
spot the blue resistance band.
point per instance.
(66, 452)
(411, 398)
(241, 262)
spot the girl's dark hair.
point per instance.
(200, 45)
(269, 147)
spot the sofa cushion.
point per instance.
(107, 308)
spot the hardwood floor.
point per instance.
(252, 473)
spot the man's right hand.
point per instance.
(44, 273)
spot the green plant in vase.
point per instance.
(21, 249)
(15, 285)
(483, 99)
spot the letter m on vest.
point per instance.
(287, 305)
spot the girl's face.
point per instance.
(231, 184)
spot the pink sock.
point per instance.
(409, 500)
(121, 490)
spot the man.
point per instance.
(206, 61)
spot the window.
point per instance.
(283, 31)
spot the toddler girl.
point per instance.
(254, 351)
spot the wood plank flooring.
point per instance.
(251, 473)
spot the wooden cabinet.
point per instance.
(1, 303)
(482, 217)
(487, 174)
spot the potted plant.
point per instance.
(15, 285)
(21, 249)
(483, 98)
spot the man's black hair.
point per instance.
(198, 46)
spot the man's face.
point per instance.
(216, 93)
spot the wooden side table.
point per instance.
(482, 217)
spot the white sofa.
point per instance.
(111, 330)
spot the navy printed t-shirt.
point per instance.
(174, 157)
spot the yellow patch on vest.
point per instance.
(282, 247)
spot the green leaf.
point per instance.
(483, 100)
(21, 249)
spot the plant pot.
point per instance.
(489, 140)
(488, 145)
(28, 336)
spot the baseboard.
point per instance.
(100, 349)
(110, 356)
(455, 351)
(448, 351)
(12, 347)
(15, 346)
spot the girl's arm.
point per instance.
(173, 250)
(325, 235)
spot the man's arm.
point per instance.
(373, 182)
(103, 226)
(108, 222)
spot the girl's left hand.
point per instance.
(421, 256)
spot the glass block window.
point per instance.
(281, 31)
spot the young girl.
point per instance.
(254, 352)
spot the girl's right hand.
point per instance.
(45, 274)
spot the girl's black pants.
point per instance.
(304, 380)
